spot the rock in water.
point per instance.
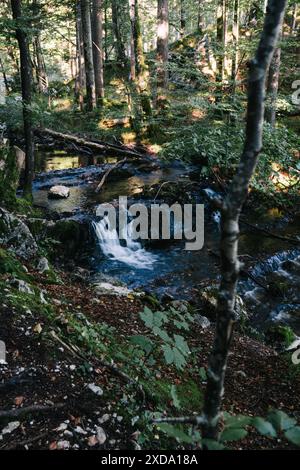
(59, 192)
(16, 236)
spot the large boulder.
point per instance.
(16, 236)
(59, 192)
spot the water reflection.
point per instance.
(60, 160)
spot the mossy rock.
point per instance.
(71, 234)
(9, 264)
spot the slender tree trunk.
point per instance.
(26, 82)
(182, 18)
(220, 37)
(235, 41)
(121, 56)
(230, 208)
(200, 20)
(294, 19)
(141, 66)
(105, 32)
(4, 76)
(79, 81)
(98, 47)
(88, 54)
(272, 87)
(162, 43)
(41, 74)
(132, 41)
(41, 67)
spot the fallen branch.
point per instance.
(24, 443)
(198, 420)
(98, 363)
(107, 173)
(96, 146)
(294, 241)
(17, 412)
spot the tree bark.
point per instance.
(4, 76)
(132, 41)
(230, 210)
(235, 40)
(200, 20)
(41, 74)
(26, 83)
(220, 38)
(182, 18)
(272, 87)
(162, 43)
(98, 47)
(79, 81)
(119, 45)
(88, 55)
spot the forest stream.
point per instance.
(167, 269)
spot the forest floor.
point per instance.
(43, 371)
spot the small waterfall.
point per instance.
(131, 254)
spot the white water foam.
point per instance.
(133, 254)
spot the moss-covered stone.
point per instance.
(9, 264)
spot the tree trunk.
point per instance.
(294, 19)
(41, 74)
(98, 48)
(272, 87)
(162, 43)
(132, 42)
(26, 82)
(182, 18)
(200, 19)
(220, 38)
(235, 41)
(120, 49)
(88, 54)
(230, 210)
(4, 76)
(79, 81)
(41, 68)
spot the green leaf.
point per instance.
(203, 375)
(177, 433)
(238, 421)
(147, 317)
(293, 435)
(145, 343)
(179, 359)
(210, 444)
(233, 434)
(280, 420)
(264, 427)
(161, 333)
(168, 353)
(181, 344)
(176, 401)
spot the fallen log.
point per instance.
(95, 146)
(17, 412)
(119, 163)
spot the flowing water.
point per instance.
(167, 267)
